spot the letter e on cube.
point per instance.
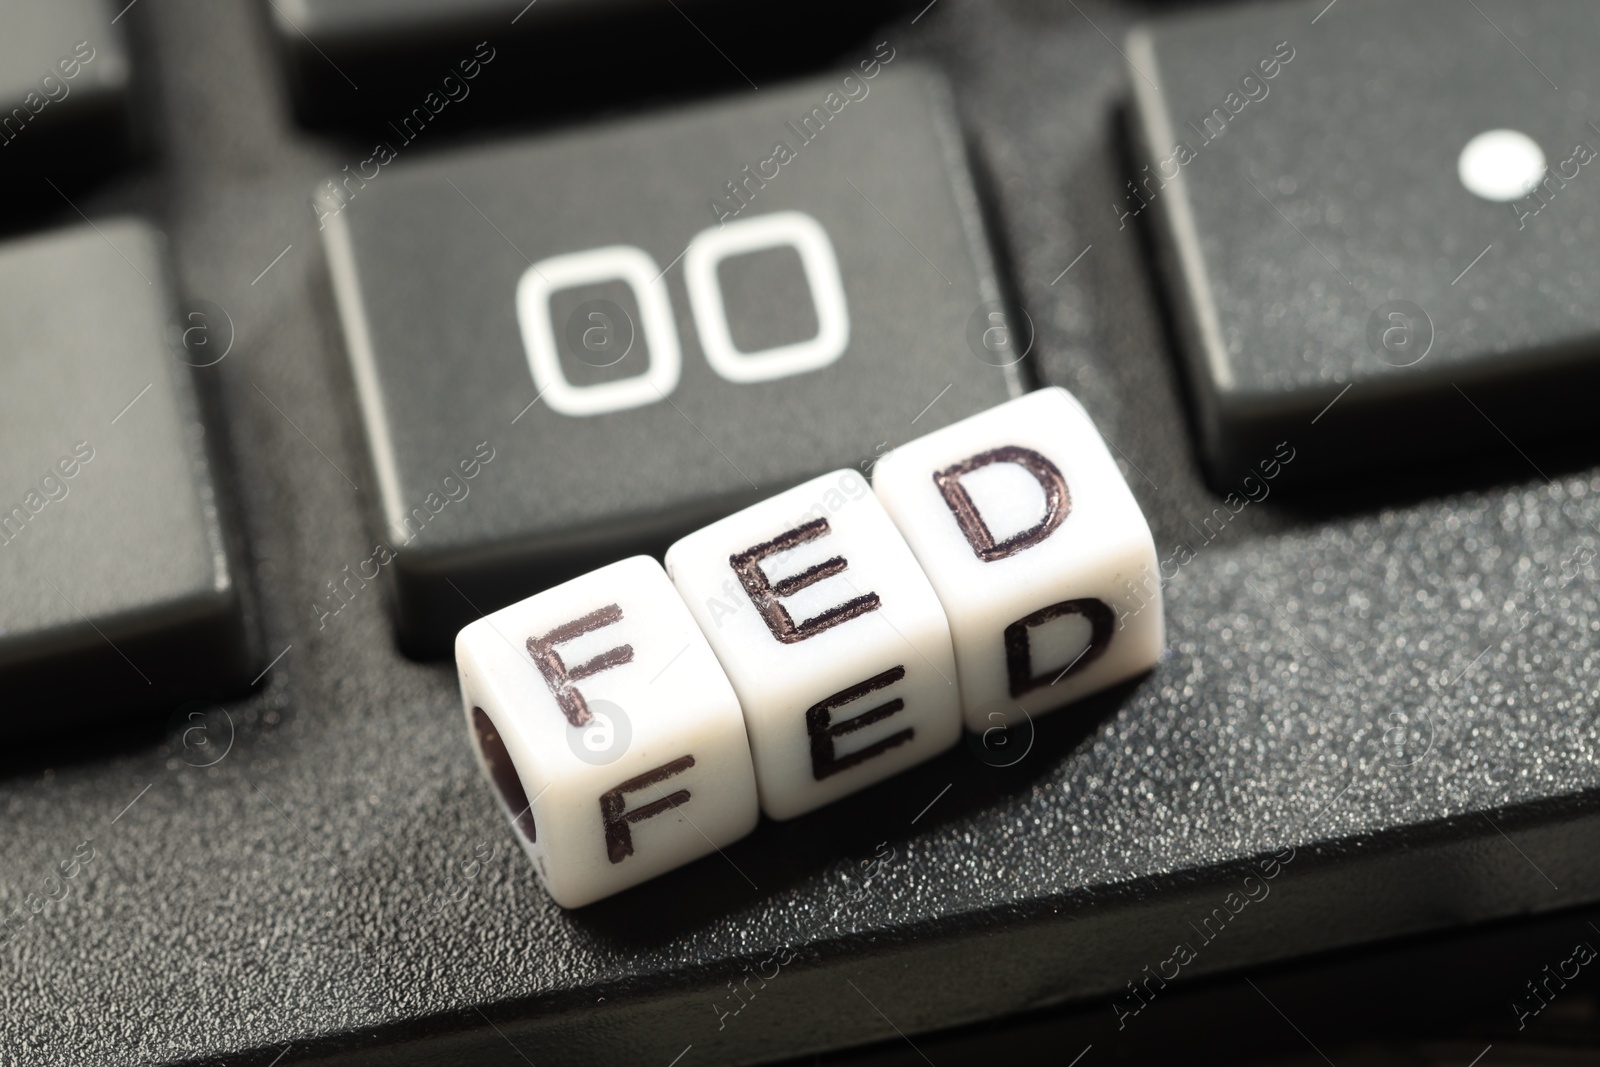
(837, 646)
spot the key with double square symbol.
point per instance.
(573, 348)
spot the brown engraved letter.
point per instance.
(765, 594)
(1019, 659)
(619, 839)
(823, 730)
(1057, 501)
(559, 677)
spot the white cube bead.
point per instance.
(1038, 551)
(832, 637)
(600, 702)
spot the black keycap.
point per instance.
(1338, 284)
(116, 587)
(64, 88)
(377, 60)
(815, 315)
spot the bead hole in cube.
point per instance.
(503, 773)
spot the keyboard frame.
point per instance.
(341, 888)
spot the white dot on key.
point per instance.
(1501, 165)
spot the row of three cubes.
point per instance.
(634, 719)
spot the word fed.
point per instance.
(639, 717)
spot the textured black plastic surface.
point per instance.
(314, 894)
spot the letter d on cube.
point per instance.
(1033, 542)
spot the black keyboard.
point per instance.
(317, 320)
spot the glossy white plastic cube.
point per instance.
(831, 635)
(1038, 551)
(610, 733)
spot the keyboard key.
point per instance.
(355, 61)
(1038, 551)
(1374, 292)
(608, 730)
(117, 590)
(730, 300)
(64, 85)
(831, 635)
